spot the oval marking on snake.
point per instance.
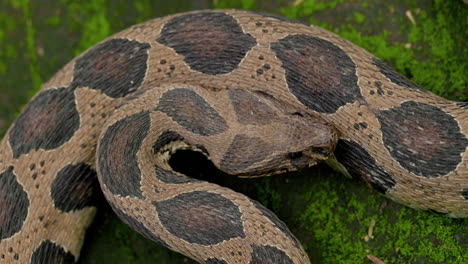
(427, 142)
(165, 138)
(360, 164)
(269, 255)
(396, 77)
(320, 74)
(212, 43)
(192, 112)
(201, 217)
(116, 67)
(117, 154)
(249, 109)
(75, 187)
(277, 223)
(138, 226)
(167, 176)
(243, 152)
(272, 166)
(47, 122)
(13, 202)
(49, 252)
(215, 261)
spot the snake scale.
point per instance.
(256, 94)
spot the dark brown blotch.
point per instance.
(117, 154)
(116, 67)
(192, 112)
(75, 187)
(243, 152)
(166, 138)
(320, 74)
(280, 163)
(47, 122)
(269, 255)
(201, 217)
(212, 43)
(250, 109)
(422, 138)
(14, 204)
(171, 177)
(49, 252)
(360, 164)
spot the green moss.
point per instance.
(331, 231)
(240, 4)
(338, 216)
(18, 60)
(145, 12)
(308, 7)
(358, 17)
(31, 50)
(91, 18)
(53, 21)
(440, 30)
(268, 196)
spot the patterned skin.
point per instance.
(257, 95)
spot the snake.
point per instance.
(253, 93)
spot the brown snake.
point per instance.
(257, 95)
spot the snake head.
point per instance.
(312, 141)
(290, 143)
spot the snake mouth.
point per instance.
(309, 157)
(321, 151)
(318, 153)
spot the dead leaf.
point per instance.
(410, 16)
(375, 259)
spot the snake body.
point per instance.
(257, 95)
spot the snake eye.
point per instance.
(294, 155)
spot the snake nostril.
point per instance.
(298, 114)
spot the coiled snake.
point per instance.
(257, 95)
